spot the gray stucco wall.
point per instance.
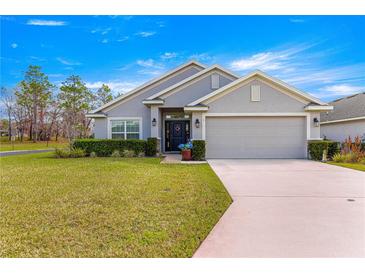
(196, 133)
(315, 132)
(272, 100)
(340, 131)
(193, 92)
(135, 108)
(100, 128)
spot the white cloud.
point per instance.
(105, 41)
(269, 60)
(115, 86)
(201, 57)
(50, 23)
(149, 63)
(102, 31)
(145, 34)
(124, 38)
(296, 20)
(340, 90)
(168, 55)
(68, 62)
(150, 67)
(14, 45)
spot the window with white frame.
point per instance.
(255, 93)
(125, 129)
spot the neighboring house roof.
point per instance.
(263, 75)
(149, 83)
(191, 78)
(350, 107)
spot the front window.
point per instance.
(125, 129)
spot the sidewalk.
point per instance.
(23, 152)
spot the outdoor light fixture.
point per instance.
(197, 123)
(316, 122)
(154, 122)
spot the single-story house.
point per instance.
(254, 116)
(347, 118)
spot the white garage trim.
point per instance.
(258, 114)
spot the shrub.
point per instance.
(354, 149)
(198, 150)
(128, 153)
(77, 153)
(67, 153)
(62, 153)
(93, 154)
(116, 154)
(151, 146)
(339, 158)
(141, 154)
(105, 147)
(316, 148)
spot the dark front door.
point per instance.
(176, 133)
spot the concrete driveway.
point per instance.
(288, 208)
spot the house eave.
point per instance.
(96, 115)
(153, 102)
(318, 108)
(196, 108)
(343, 120)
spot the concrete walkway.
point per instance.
(174, 158)
(288, 208)
(23, 152)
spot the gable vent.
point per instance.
(255, 93)
(215, 81)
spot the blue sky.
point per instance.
(322, 55)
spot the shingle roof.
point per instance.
(348, 107)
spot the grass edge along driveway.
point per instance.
(356, 166)
(106, 207)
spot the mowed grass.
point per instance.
(356, 166)
(29, 145)
(105, 207)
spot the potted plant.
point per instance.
(186, 151)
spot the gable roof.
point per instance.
(149, 83)
(265, 76)
(191, 78)
(346, 108)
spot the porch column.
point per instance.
(155, 116)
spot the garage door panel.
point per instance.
(255, 137)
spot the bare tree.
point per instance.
(8, 102)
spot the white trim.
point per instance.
(151, 82)
(318, 108)
(109, 119)
(153, 102)
(308, 126)
(264, 76)
(95, 115)
(196, 108)
(343, 120)
(195, 76)
(258, 114)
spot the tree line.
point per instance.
(39, 110)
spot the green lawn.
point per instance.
(28, 145)
(356, 166)
(105, 207)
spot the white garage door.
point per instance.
(256, 137)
